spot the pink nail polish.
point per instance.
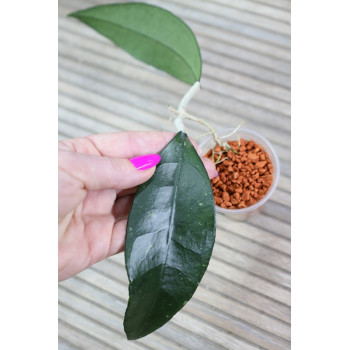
(216, 174)
(145, 162)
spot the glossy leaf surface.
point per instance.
(169, 240)
(149, 33)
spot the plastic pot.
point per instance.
(244, 213)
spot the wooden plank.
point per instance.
(190, 14)
(281, 197)
(285, 167)
(123, 67)
(258, 33)
(63, 345)
(74, 121)
(114, 106)
(224, 287)
(80, 339)
(72, 130)
(226, 43)
(277, 211)
(249, 281)
(78, 120)
(266, 103)
(243, 300)
(99, 294)
(251, 265)
(249, 298)
(85, 324)
(213, 84)
(244, 68)
(61, 136)
(72, 106)
(251, 248)
(232, 325)
(283, 153)
(263, 89)
(271, 224)
(237, 310)
(82, 96)
(198, 327)
(134, 90)
(160, 107)
(285, 183)
(239, 15)
(117, 110)
(221, 337)
(216, 301)
(70, 120)
(255, 234)
(239, 46)
(282, 14)
(283, 4)
(110, 320)
(85, 109)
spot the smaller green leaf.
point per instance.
(149, 33)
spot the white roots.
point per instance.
(182, 114)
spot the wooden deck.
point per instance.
(243, 301)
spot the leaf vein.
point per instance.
(146, 36)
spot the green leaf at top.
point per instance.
(149, 33)
(169, 240)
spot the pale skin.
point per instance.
(96, 185)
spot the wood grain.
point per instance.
(243, 300)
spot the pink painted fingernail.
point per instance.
(145, 162)
(216, 174)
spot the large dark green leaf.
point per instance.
(169, 240)
(149, 33)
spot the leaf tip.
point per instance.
(132, 334)
(75, 14)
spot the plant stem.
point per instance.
(188, 116)
(182, 114)
(189, 95)
(183, 104)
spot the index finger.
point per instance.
(132, 143)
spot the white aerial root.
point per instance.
(182, 114)
(185, 115)
(234, 131)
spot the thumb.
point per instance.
(97, 172)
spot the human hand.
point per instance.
(96, 186)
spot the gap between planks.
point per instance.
(272, 102)
(116, 287)
(74, 74)
(216, 34)
(76, 95)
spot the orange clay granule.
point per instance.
(245, 174)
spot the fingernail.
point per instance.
(216, 174)
(145, 162)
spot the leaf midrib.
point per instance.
(171, 220)
(146, 36)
